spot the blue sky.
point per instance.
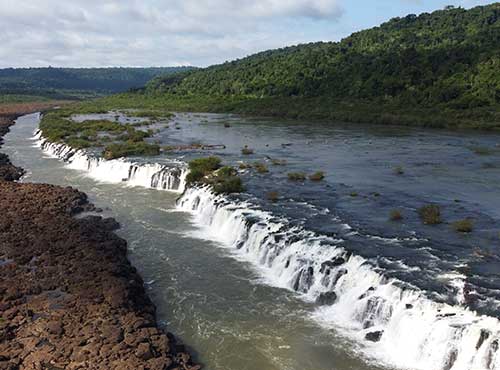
(101, 33)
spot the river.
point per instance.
(243, 302)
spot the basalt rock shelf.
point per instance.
(69, 298)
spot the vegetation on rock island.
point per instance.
(118, 139)
(224, 180)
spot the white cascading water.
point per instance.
(398, 323)
(405, 328)
(156, 176)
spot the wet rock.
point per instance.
(374, 336)
(338, 261)
(327, 298)
(483, 336)
(367, 293)
(445, 315)
(491, 353)
(304, 280)
(375, 310)
(338, 275)
(450, 361)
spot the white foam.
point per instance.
(149, 175)
(418, 333)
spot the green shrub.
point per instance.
(353, 194)
(207, 164)
(260, 167)
(463, 226)
(317, 176)
(430, 214)
(79, 142)
(296, 176)
(395, 215)
(228, 185)
(152, 114)
(279, 162)
(134, 136)
(194, 175)
(244, 166)
(201, 167)
(226, 171)
(119, 150)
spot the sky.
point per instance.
(141, 33)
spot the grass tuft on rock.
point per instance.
(247, 151)
(296, 176)
(430, 214)
(463, 226)
(395, 215)
(317, 176)
(260, 167)
(279, 162)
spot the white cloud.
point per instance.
(150, 32)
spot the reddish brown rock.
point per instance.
(69, 298)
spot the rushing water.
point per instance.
(217, 266)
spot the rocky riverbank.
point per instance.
(69, 298)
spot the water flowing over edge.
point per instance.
(396, 322)
(149, 175)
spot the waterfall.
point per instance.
(149, 175)
(396, 322)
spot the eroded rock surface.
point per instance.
(69, 298)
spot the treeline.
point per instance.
(77, 82)
(449, 58)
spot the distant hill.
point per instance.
(446, 61)
(77, 82)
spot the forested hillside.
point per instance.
(447, 60)
(76, 82)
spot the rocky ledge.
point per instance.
(69, 298)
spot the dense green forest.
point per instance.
(434, 69)
(60, 83)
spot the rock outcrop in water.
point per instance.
(69, 298)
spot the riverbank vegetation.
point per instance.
(437, 69)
